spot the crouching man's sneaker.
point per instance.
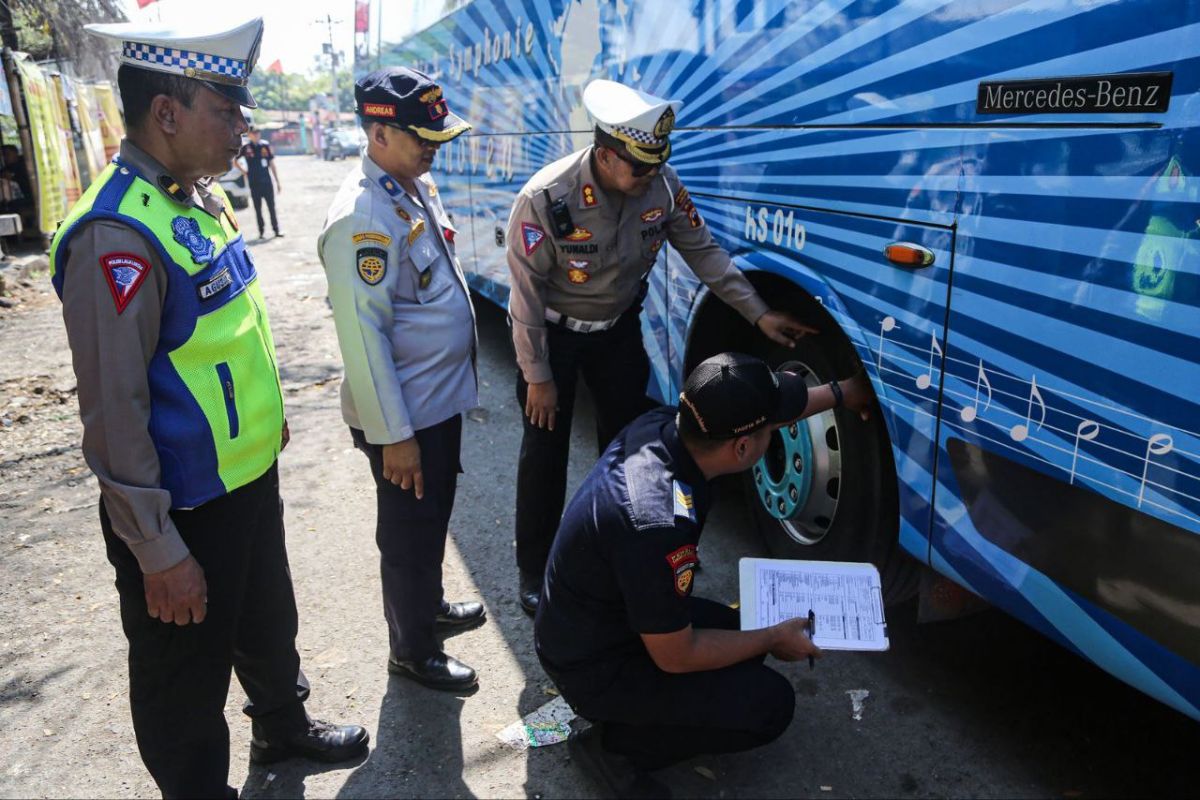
(320, 741)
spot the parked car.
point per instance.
(340, 142)
(234, 184)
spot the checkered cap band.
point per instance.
(641, 137)
(232, 70)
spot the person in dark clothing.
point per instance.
(662, 675)
(15, 171)
(16, 190)
(257, 163)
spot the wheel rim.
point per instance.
(799, 478)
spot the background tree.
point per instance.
(291, 91)
(53, 29)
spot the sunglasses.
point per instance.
(637, 167)
(425, 143)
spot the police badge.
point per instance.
(187, 232)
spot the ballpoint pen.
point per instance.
(812, 632)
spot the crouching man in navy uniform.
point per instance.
(663, 675)
(183, 417)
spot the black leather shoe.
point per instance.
(454, 616)
(613, 772)
(530, 593)
(439, 671)
(320, 741)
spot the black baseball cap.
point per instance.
(733, 394)
(408, 99)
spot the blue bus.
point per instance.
(991, 206)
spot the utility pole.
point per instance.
(333, 62)
(379, 38)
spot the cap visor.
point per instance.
(793, 393)
(239, 94)
(453, 126)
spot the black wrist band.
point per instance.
(838, 399)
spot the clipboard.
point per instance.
(847, 598)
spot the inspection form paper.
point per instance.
(846, 597)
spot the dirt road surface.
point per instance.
(981, 707)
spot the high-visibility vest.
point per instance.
(216, 406)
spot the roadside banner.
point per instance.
(51, 179)
(60, 91)
(88, 114)
(6, 108)
(112, 128)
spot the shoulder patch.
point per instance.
(125, 273)
(372, 264)
(684, 505)
(684, 201)
(371, 236)
(532, 237)
(683, 563)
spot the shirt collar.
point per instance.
(390, 186)
(149, 168)
(685, 466)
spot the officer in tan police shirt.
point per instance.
(583, 235)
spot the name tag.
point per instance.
(222, 280)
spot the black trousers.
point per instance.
(179, 675)
(258, 193)
(615, 366)
(411, 535)
(657, 718)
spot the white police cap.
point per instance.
(642, 122)
(223, 59)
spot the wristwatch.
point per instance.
(838, 398)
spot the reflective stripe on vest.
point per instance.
(216, 407)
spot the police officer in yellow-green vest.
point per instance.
(183, 417)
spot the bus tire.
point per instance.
(827, 488)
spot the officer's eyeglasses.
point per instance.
(638, 168)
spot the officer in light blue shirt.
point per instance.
(406, 329)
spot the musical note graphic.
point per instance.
(969, 413)
(1087, 430)
(1020, 432)
(1157, 445)
(923, 381)
(888, 324)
